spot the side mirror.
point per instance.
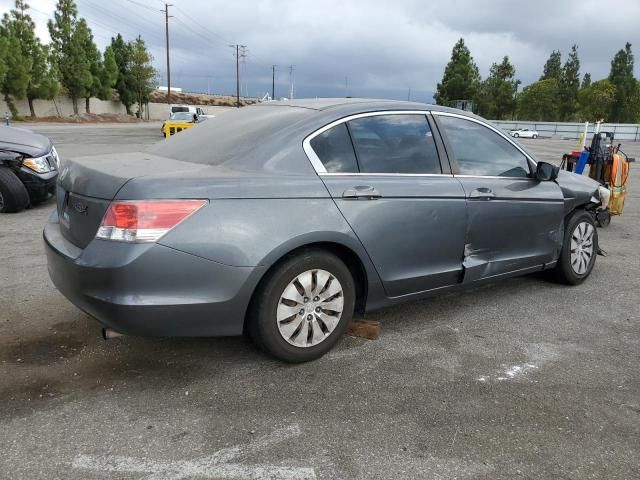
(545, 172)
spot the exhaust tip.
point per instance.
(108, 334)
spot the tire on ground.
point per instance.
(262, 320)
(15, 196)
(564, 272)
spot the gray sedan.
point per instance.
(282, 220)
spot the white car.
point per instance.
(190, 109)
(524, 133)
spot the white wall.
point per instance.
(62, 106)
(622, 131)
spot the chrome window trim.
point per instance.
(317, 163)
(497, 177)
(347, 174)
(500, 133)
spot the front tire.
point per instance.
(579, 249)
(303, 306)
(14, 196)
(534, 136)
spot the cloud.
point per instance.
(357, 47)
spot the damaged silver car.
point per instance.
(283, 219)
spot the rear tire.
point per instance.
(516, 135)
(579, 249)
(14, 196)
(303, 307)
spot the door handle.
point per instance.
(364, 192)
(482, 193)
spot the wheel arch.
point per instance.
(345, 251)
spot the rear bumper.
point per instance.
(150, 289)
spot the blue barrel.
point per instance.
(582, 161)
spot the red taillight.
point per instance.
(145, 220)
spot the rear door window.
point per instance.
(334, 149)
(397, 143)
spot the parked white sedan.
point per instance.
(524, 133)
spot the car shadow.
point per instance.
(71, 358)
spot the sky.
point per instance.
(378, 48)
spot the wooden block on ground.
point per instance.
(364, 328)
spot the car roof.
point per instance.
(268, 137)
(359, 104)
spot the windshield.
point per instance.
(179, 109)
(182, 116)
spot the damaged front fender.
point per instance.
(578, 190)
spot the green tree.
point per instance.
(586, 81)
(41, 83)
(595, 101)
(16, 78)
(108, 75)
(539, 101)
(625, 107)
(104, 71)
(553, 67)
(3, 58)
(124, 83)
(16, 29)
(497, 94)
(68, 41)
(569, 85)
(142, 72)
(461, 79)
(94, 60)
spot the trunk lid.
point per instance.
(87, 185)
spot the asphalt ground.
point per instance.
(518, 379)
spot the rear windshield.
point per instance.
(179, 109)
(230, 135)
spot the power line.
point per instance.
(189, 29)
(123, 20)
(142, 5)
(222, 39)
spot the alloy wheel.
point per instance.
(582, 247)
(310, 308)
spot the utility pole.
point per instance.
(166, 25)
(409, 95)
(291, 80)
(273, 82)
(237, 54)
